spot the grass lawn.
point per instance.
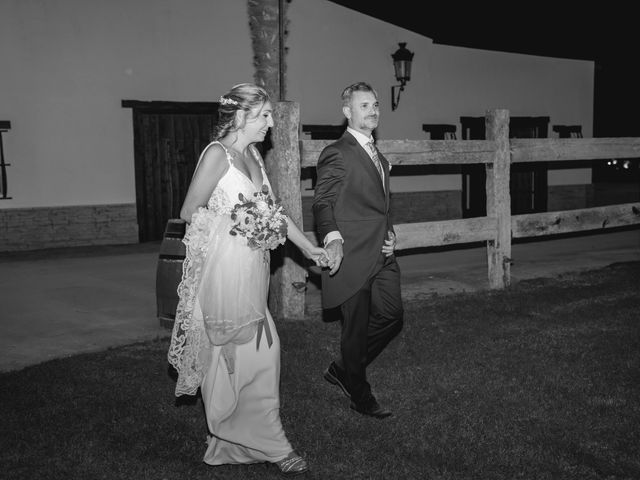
(538, 381)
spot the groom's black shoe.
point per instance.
(335, 376)
(371, 407)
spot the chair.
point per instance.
(568, 131)
(440, 131)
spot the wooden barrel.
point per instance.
(169, 271)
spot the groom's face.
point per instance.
(363, 112)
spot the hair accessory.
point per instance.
(228, 101)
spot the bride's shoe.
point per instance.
(292, 465)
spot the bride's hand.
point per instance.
(318, 255)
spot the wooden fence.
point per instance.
(497, 228)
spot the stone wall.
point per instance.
(615, 193)
(569, 197)
(51, 227)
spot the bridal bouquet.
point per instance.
(260, 219)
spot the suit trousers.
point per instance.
(370, 320)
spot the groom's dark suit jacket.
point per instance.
(349, 198)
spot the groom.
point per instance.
(351, 210)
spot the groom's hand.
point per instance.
(334, 249)
(389, 244)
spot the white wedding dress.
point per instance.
(224, 340)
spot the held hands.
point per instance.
(335, 252)
(318, 255)
(389, 244)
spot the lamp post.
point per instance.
(5, 125)
(402, 64)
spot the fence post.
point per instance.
(499, 199)
(288, 278)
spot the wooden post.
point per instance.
(499, 199)
(288, 278)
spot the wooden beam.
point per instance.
(414, 152)
(435, 234)
(556, 149)
(567, 221)
(158, 106)
(445, 232)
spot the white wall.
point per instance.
(67, 65)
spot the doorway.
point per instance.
(528, 182)
(168, 138)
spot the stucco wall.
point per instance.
(68, 64)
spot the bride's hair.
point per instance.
(244, 96)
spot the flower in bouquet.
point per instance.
(260, 219)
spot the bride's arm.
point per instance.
(207, 175)
(309, 250)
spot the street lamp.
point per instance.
(402, 64)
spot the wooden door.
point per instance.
(528, 182)
(474, 192)
(168, 138)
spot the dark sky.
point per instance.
(551, 29)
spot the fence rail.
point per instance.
(560, 149)
(415, 152)
(497, 153)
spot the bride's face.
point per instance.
(258, 122)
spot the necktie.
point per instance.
(376, 161)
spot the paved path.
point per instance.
(61, 302)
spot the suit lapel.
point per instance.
(365, 160)
(363, 157)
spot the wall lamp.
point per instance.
(402, 64)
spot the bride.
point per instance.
(224, 340)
